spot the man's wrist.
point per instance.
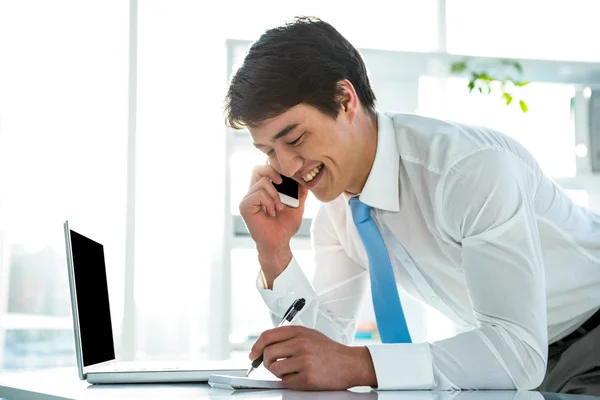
(364, 367)
(273, 262)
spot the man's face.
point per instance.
(310, 147)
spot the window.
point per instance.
(63, 121)
(180, 176)
(558, 30)
(397, 25)
(39, 348)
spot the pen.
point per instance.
(289, 316)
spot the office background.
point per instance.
(111, 117)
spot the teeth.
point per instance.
(311, 175)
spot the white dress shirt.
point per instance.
(475, 230)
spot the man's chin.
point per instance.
(324, 196)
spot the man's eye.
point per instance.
(297, 141)
(270, 153)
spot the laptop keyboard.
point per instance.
(143, 367)
(158, 368)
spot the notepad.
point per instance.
(240, 383)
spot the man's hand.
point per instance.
(270, 223)
(306, 359)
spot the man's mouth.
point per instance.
(314, 172)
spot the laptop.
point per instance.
(94, 342)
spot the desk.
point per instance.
(63, 384)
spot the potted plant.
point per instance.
(503, 76)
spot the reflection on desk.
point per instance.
(64, 383)
(367, 394)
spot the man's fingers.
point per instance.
(278, 351)
(302, 193)
(296, 381)
(257, 202)
(289, 365)
(273, 336)
(262, 171)
(266, 185)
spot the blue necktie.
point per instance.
(386, 300)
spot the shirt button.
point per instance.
(281, 302)
(291, 292)
(435, 300)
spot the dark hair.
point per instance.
(299, 62)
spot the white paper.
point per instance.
(239, 383)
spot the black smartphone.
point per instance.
(288, 191)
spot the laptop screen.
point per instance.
(92, 300)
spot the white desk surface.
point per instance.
(63, 383)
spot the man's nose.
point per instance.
(289, 163)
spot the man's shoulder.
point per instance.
(422, 121)
(437, 144)
(411, 126)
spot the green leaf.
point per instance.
(518, 66)
(471, 86)
(523, 106)
(508, 98)
(480, 90)
(489, 89)
(521, 84)
(512, 63)
(458, 67)
(485, 77)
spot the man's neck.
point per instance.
(367, 126)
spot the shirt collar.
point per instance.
(381, 189)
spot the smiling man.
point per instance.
(460, 217)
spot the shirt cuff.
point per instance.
(288, 287)
(403, 366)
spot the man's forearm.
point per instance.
(273, 263)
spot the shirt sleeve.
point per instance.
(488, 205)
(335, 294)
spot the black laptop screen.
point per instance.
(92, 300)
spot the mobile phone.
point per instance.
(288, 191)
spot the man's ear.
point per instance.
(348, 99)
